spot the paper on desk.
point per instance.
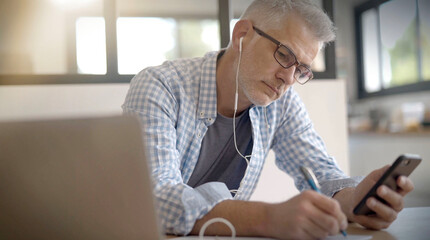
(220, 238)
(349, 237)
(336, 237)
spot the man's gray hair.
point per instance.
(270, 14)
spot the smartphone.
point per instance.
(403, 166)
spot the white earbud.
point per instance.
(240, 44)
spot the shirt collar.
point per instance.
(207, 105)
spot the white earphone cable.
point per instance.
(236, 96)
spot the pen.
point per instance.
(312, 180)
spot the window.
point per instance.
(151, 32)
(100, 41)
(35, 35)
(393, 40)
(424, 29)
(174, 38)
(138, 49)
(91, 45)
(370, 51)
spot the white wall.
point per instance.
(59, 101)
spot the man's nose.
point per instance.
(286, 74)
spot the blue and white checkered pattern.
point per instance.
(176, 103)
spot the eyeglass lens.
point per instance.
(302, 74)
(284, 56)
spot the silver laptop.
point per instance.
(75, 179)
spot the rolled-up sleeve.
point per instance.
(330, 187)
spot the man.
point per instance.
(209, 123)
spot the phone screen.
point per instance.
(403, 166)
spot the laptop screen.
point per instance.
(75, 179)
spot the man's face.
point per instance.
(262, 79)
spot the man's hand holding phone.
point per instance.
(383, 214)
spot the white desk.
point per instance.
(411, 224)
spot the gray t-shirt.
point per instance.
(218, 160)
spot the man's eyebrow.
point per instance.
(306, 65)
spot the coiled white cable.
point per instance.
(214, 220)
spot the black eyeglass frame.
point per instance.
(279, 45)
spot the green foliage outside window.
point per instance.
(403, 58)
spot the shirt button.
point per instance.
(210, 119)
(202, 114)
(199, 134)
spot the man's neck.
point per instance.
(226, 85)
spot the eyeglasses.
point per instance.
(286, 58)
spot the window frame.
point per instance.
(112, 76)
(421, 85)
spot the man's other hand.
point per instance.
(309, 215)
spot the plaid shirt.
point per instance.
(176, 103)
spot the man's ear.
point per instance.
(241, 30)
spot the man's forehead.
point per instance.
(296, 35)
